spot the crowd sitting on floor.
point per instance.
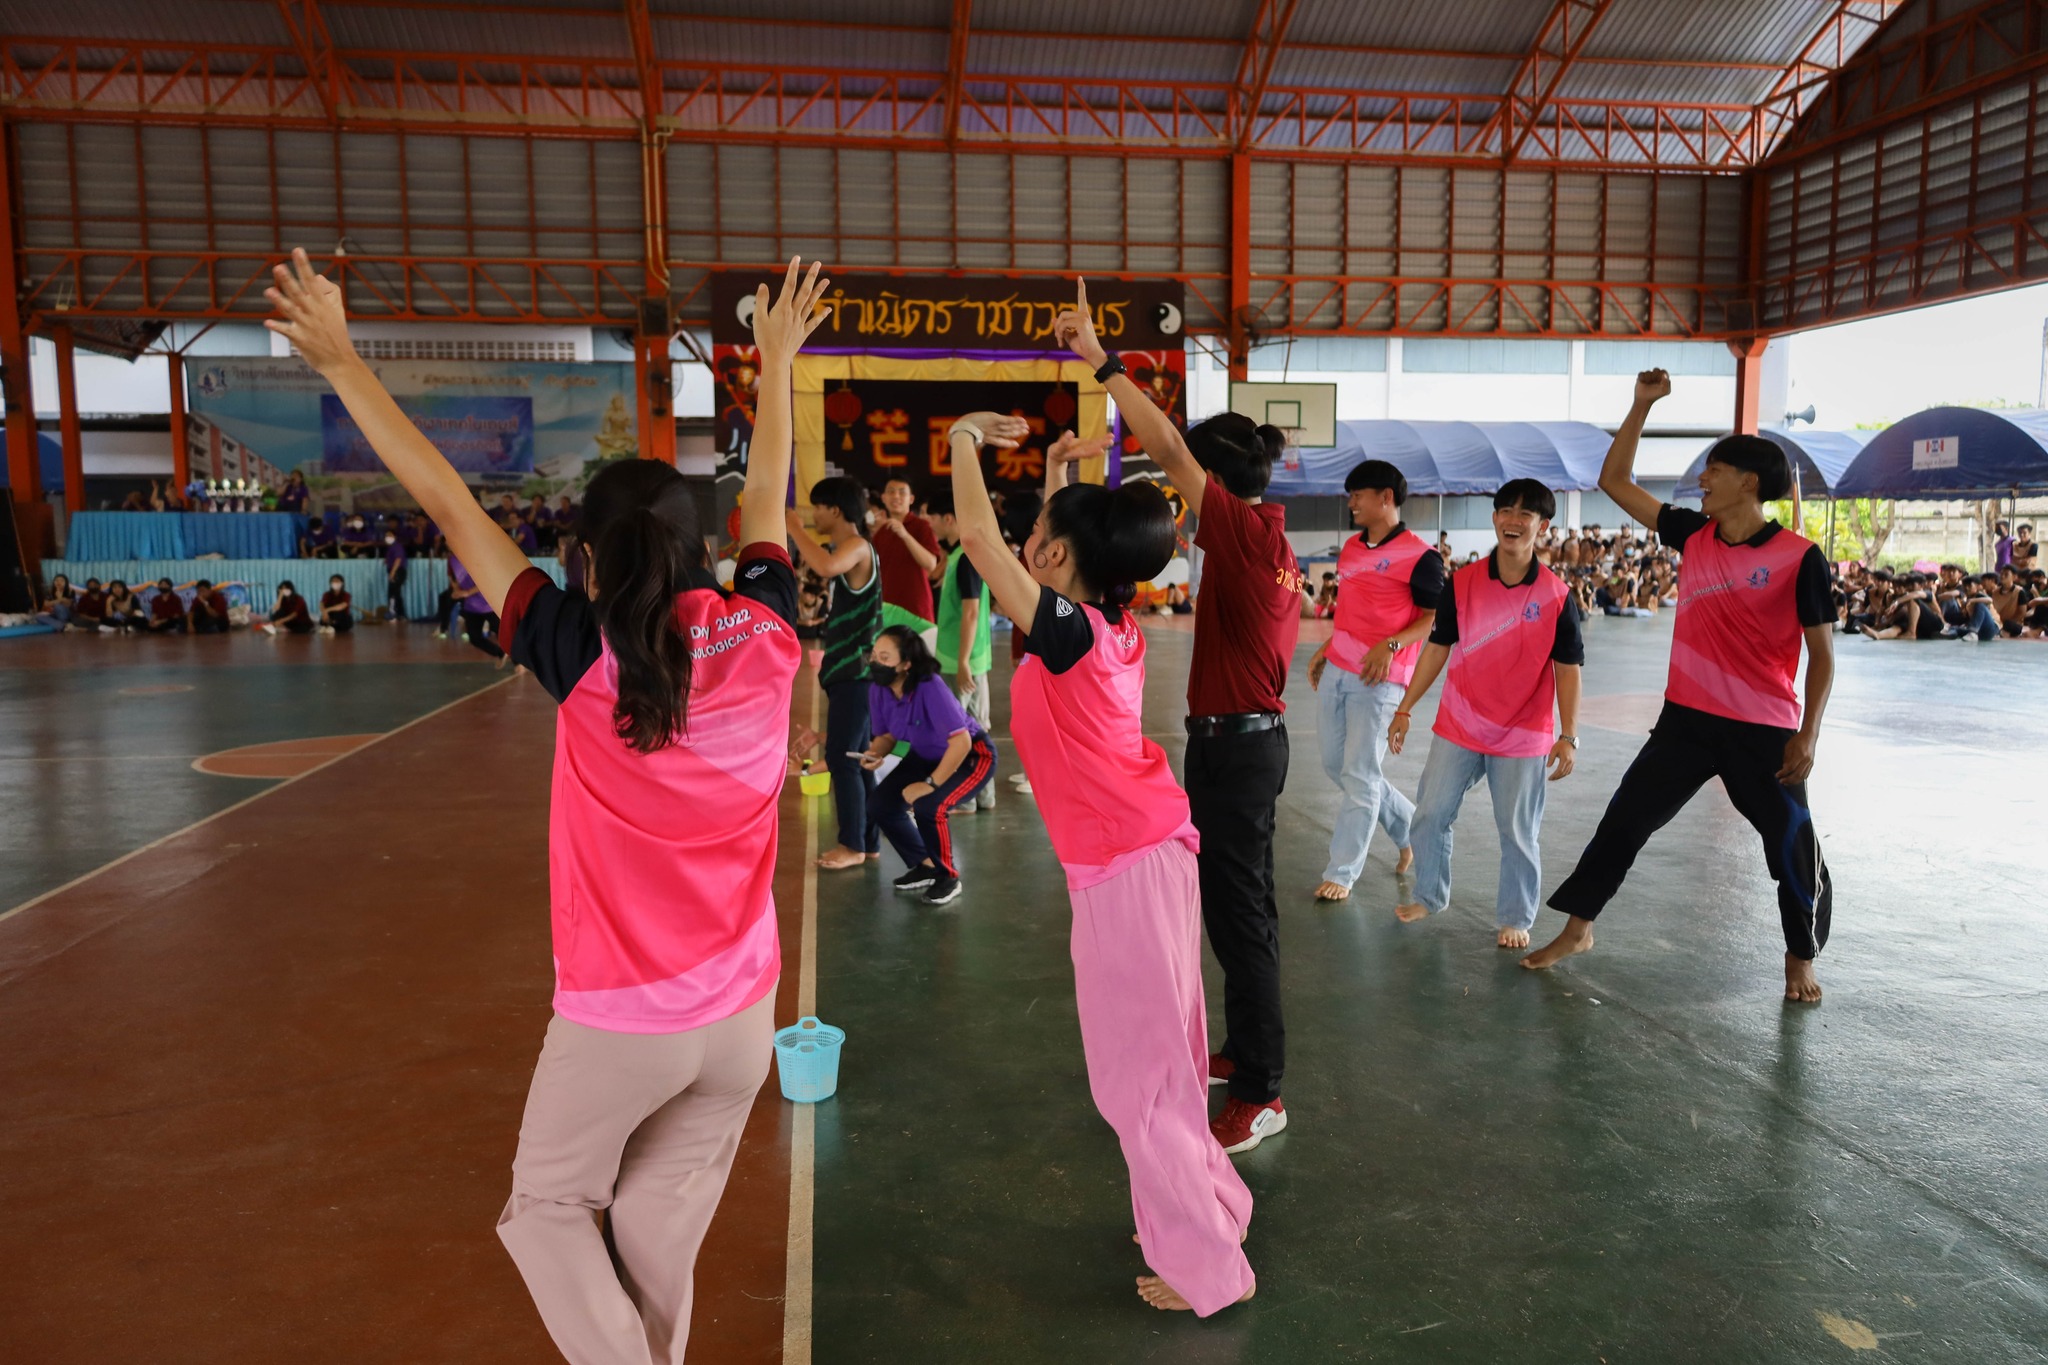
(1949, 604)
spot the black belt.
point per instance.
(1243, 723)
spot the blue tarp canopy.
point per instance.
(1819, 456)
(52, 460)
(1953, 453)
(1454, 457)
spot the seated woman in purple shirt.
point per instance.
(319, 540)
(951, 759)
(358, 541)
(523, 534)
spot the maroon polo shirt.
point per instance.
(1248, 616)
(904, 583)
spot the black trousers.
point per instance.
(1686, 748)
(1233, 783)
(475, 624)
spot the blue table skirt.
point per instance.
(182, 535)
(365, 577)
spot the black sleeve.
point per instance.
(1426, 584)
(1445, 631)
(1677, 525)
(765, 575)
(968, 580)
(1814, 592)
(1570, 645)
(1061, 635)
(552, 631)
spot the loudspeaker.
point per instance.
(654, 317)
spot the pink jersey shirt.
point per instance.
(1500, 692)
(1376, 599)
(1735, 645)
(660, 865)
(1107, 793)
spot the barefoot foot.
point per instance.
(1800, 983)
(1404, 862)
(838, 856)
(1576, 938)
(1162, 1295)
(1411, 912)
(1331, 891)
(1513, 938)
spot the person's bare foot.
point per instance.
(1163, 1296)
(1513, 938)
(1330, 891)
(1576, 938)
(1404, 862)
(1800, 983)
(840, 856)
(1411, 912)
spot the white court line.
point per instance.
(796, 1301)
(34, 901)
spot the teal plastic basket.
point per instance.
(807, 1060)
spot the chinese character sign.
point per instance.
(882, 429)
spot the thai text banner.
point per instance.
(885, 312)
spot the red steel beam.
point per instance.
(1255, 66)
(315, 47)
(956, 65)
(1848, 26)
(67, 422)
(1536, 82)
(95, 80)
(24, 461)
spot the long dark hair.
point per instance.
(916, 655)
(640, 519)
(1119, 537)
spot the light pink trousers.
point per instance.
(1138, 984)
(643, 1126)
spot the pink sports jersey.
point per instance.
(1499, 690)
(1735, 646)
(1374, 601)
(1107, 793)
(660, 865)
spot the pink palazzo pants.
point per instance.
(1137, 948)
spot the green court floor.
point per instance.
(98, 733)
(1642, 1156)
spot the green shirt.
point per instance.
(851, 624)
(951, 594)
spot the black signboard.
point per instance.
(886, 313)
(882, 429)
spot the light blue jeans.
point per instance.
(1352, 720)
(1517, 786)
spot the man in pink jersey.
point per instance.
(1388, 583)
(1510, 635)
(1749, 592)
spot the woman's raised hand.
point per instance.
(1001, 430)
(781, 330)
(310, 314)
(1071, 449)
(1074, 328)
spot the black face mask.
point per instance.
(881, 674)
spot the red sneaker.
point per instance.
(1221, 1068)
(1241, 1127)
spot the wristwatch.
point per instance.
(1393, 646)
(1572, 740)
(963, 427)
(1113, 365)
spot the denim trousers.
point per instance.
(853, 787)
(1517, 787)
(1352, 719)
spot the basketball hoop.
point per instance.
(1290, 449)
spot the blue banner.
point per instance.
(492, 436)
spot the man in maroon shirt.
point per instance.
(166, 610)
(910, 556)
(1247, 620)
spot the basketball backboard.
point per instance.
(1307, 412)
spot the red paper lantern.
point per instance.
(843, 409)
(1059, 407)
